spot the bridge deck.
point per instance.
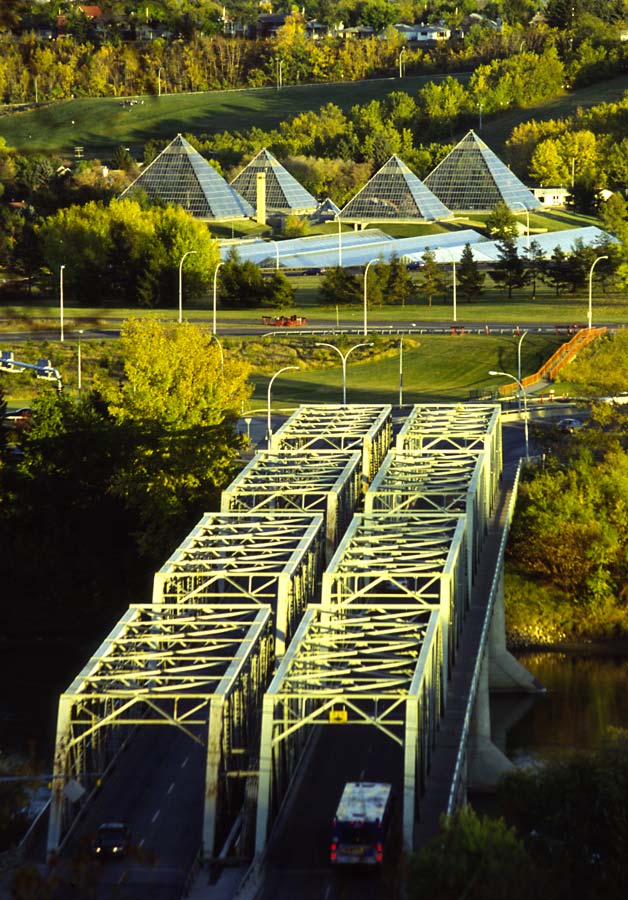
(440, 776)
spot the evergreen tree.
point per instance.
(400, 288)
(470, 279)
(433, 279)
(339, 287)
(535, 265)
(502, 223)
(555, 270)
(510, 270)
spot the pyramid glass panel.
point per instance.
(473, 178)
(283, 191)
(180, 176)
(394, 192)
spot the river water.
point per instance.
(586, 694)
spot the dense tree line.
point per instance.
(562, 835)
(82, 62)
(120, 475)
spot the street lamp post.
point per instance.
(215, 297)
(61, 335)
(279, 65)
(366, 272)
(525, 405)
(222, 355)
(593, 264)
(527, 212)
(187, 253)
(343, 357)
(402, 53)
(269, 427)
(339, 241)
(159, 81)
(80, 383)
(479, 117)
(276, 246)
(455, 284)
(519, 359)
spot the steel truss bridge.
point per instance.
(250, 641)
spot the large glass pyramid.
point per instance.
(283, 192)
(472, 178)
(180, 176)
(394, 192)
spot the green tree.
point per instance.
(182, 404)
(243, 286)
(502, 222)
(556, 270)
(400, 287)
(534, 265)
(510, 272)
(339, 287)
(475, 858)
(432, 279)
(470, 279)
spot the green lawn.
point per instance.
(435, 367)
(100, 125)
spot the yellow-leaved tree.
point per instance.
(178, 400)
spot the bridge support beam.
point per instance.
(505, 673)
(487, 763)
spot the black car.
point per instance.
(112, 840)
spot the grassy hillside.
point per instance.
(101, 125)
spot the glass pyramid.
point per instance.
(472, 178)
(180, 176)
(394, 192)
(283, 192)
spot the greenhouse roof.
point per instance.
(283, 191)
(548, 242)
(322, 251)
(394, 193)
(472, 178)
(180, 176)
(360, 247)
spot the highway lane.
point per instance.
(298, 855)
(157, 788)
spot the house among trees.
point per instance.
(180, 176)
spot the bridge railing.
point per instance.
(462, 749)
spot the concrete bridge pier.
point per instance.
(505, 673)
(501, 672)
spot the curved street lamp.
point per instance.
(186, 254)
(366, 272)
(593, 264)
(270, 387)
(402, 53)
(215, 297)
(343, 357)
(222, 355)
(519, 358)
(525, 404)
(61, 335)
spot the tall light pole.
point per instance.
(339, 241)
(480, 116)
(401, 371)
(366, 272)
(279, 65)
(455, 284)
(270, 386)
(519, 358)
(187, 253)
(593, 264)
(343, 357)
(527, 212)
(159, 81)
(402, 53)
(61, 336)
(222, 355)
(276, 246)
(215, 296)
(80, 384)
(525, 405)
